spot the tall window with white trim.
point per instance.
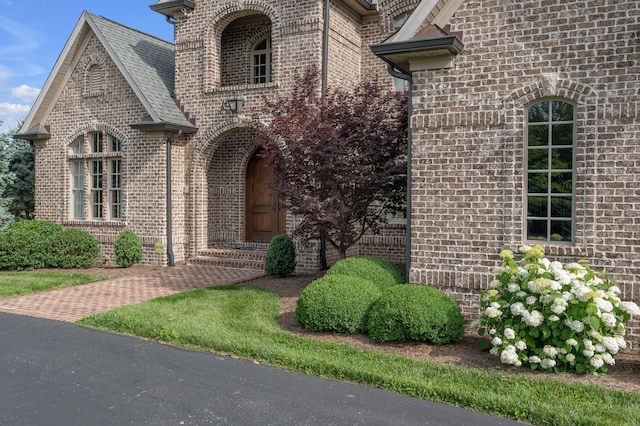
(550, 177)
(96, 177)
(261, 65)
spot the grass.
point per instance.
(242, 321)
(28, 282)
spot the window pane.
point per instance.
(115, 144)
(78, 146)
(538, 159)
(96, 142)
(539, 135)
(562, 111)
(562, 158)
(538, 182)
(536, 229)
(562, 183)
(539, 112)
(560, 230)
(77, 172)
(562, 134)
(537, 206)
(561, 207)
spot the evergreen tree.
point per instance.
(16, 179)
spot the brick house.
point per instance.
(133, 132)
(524, 128)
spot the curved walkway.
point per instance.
(73, 303)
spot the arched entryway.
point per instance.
(264, 217)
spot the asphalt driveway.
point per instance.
(56, 373)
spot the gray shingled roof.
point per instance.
(147, 63)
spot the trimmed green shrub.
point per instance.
(74, 248)
(337, 303)
(127, 249)
(415, 312)
(382, 273)
(26, 244)
(281, 257)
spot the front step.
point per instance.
(245, 256)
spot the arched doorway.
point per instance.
(263, 216)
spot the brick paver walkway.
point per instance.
(73, 303)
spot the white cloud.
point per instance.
(25, 93)
(11, 115)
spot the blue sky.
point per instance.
(34, 32)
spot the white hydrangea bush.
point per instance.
(553, 317)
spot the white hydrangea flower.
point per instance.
(608, 319)
(531, 300)
(555, 285)
(588, 353)
(614, 289)
(509, 355)
(518, 308)
(534, 359)
(509, 333)
(571, 357)
(534, 319)
(494, 283)
(496, 341)
(523, 272)
(521, 294)
(599, 348)
(622, 344)
(513, 287)
(596, 336)
(597, 361)
(559, 305)
(572, 342)
(603, 305)
(611, 344)
(630, 307)
(524, 248)
(547, 363)
(521, 345)
(554, 318)
(492, 312)
(608, 359)
(546, 262)
(576, 325)
(550, 351)
(563, 277)
(494, 351)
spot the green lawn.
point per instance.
(242, 321)
(21, 283)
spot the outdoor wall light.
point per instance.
(234, 104)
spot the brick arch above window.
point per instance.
(551, 85)
(95, 127)
(222, 17)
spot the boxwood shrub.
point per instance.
(337, 303)
(27, 244)
(281, 257)
(381, 272)
(415, 312)
(127, 249)
(74, 248)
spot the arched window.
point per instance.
(261, 62)
(96, 171)
(550, 178)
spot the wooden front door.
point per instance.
(264, 218)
